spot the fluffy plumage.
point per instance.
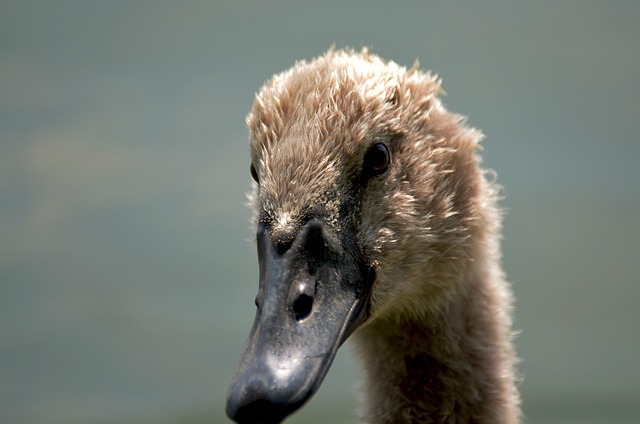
(436, 347)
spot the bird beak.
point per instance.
(311, 298)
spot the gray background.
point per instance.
(126, 277)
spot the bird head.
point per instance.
(365, 199)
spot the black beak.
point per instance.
(311, 298)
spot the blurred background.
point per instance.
(126, 275)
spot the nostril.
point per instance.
(302, 306)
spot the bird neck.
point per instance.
(452, 364)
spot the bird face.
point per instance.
(315, 272)
(346, 178)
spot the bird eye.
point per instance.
(254, 174)
(376, 160)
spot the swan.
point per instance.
(375, 222)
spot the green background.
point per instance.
(126, 274)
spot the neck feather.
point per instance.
(453, 364)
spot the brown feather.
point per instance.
(437, 345)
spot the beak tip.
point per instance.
(252, 402)
(268, 388)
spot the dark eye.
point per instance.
(376, 160)
(254, 174)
